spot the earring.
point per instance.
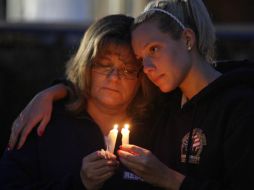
(188, 44)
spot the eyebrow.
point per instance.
(153, 41)
(147, 44)
(104, 57)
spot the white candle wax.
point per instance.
(111, 139)
(125, 134)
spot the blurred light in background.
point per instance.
(69, 10)
(129, 7)
(49, 10)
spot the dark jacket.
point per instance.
(220, 120)
(54, 160)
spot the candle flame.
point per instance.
(126, 126)
(116, 126)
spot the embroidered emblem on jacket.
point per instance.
(197, 142)
(131, 176)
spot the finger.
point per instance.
(21, 117)
(94, 173)
(26, 131)
(110, 155)
(133, 149)
(15, 131)
(128, 156)
(101, 178)
(133, 166)
(104, 177)
(93, 156)
(132, 161)
(12, 140)
(102, 153)
(107, 155)
(43, 124)
(17, 127)
(103, 163)
(103, 170)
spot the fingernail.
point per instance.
(41, 133)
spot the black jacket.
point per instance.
(220, 120)
(54, 160)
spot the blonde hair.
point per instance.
(113, 29)
(191, 13)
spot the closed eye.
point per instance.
(130, 68)
(103, 66)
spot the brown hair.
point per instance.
(113, 29)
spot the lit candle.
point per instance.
(111, 139)
(125, 134)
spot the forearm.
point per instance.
(54, 93)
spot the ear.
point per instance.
(189, 38)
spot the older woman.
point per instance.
(107, 90)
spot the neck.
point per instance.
(106, 117)
(200, 75)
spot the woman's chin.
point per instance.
(165, 88)
(112, 103)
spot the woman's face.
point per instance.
(166, 61)
(112, 85)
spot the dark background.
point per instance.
(33, 55)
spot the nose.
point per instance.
(148, 65)
(114, 75)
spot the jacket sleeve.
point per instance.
(238, 153)
(19, 169)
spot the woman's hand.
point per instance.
(143, 163)
(96, 168)
(38, 111)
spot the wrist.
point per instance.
(46, 94)
(55, 92)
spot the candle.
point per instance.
(111, 139)
(125, 134)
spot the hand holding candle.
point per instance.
(125, 134)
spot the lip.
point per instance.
(157, 79)
(110, 89)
